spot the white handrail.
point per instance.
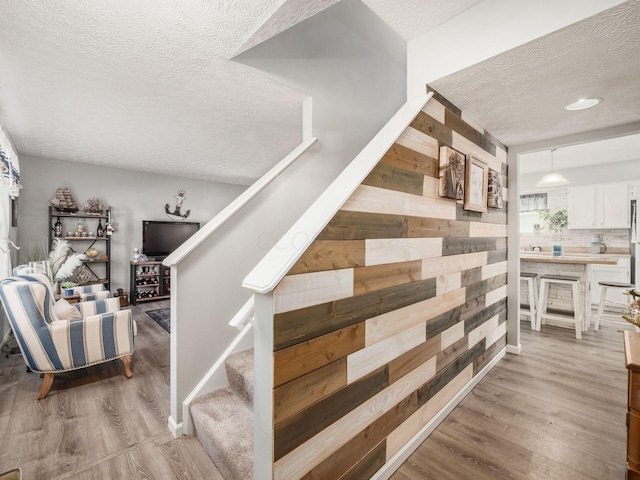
(219, 220)
(279, 260)
(244, 315)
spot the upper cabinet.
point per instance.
(599, 206)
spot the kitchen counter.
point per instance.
(571, 259)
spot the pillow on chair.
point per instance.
(65, 311)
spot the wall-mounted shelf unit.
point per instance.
(149, 281)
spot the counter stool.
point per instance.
(532, 287)
(576, 319)
(603, 298)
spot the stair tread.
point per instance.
(223, 423)
(240, 370)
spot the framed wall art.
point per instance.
(495, 198)
(451, 175)
(475, 185)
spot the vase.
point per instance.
(557, 247)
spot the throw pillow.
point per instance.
(65, 311)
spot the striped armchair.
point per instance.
(95, 291)
(50, 345)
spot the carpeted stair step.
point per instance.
(223, 422)
(240, 373)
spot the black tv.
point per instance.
(160, 238)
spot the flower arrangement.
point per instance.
(62, 261)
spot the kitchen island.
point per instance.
(571, 265)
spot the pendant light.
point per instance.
(552, 179)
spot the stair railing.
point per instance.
(216, 376)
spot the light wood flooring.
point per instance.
(557, 412)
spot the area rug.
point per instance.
(162, 316)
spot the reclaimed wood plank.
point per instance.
(486, 286)
(362, 225)
(430, 187)
(480, 333)
(448, 282)
(462, 144)
(299, 291)
(391, 323)
(306, 390)
(491, 216)
(458, 246)
(442, 322)
(411, 160)
(388, 177)
(377, 277)
(449, 354)
(379, 251)
(480, 314)
(446, 103)
(412, 359)
(364, 361)
(497, 256)
(419, 141)
(451, 335)
(480, 362)
(480, 229)
(300, 427)
(325, 255)
(302, 358)
(369, 465)
(432, 267)
(434, 227)
(496, 334)
(496, 295)
(435, 109)
(431, 127)
(308, 455)
(471, 276)
(494, 269)
(460, 126)
(307, 323)
(378, 200)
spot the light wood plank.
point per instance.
(418, 141)
(306, 289)
(393, 250)
(451, 335)
(383, 326)
(496, 295)
(330, 255)
(377, 277)
(434, 109)
(447, 283)
(496, 334)
(430, 187)
(405, 432)
(298, 462)
(371, 357)
(493, 270)
(433, 267)
(471, 122)
(480, 229)
(379, 200)
(477, 334)
(466, 146)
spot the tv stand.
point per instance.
(149, 281)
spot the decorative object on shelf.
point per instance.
(92, 207)
(494, 195)
(452, 164)
(62, 262)
(104, 257)
(136, 255)
(556, 222)
(632, 314)
(176, 215)
(68, 288)
(63, 201)
(57, 229)
(475, 185)
(100, 230)
(91, 252)
(552, 179)
(83, 274)
(80, 228)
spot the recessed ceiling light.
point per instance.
(583, 103)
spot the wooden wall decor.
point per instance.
(494, 196)
(398, 303)
(452, 173)
(476, 185)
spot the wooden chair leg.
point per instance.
(127, 365)
(46, 385)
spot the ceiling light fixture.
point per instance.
(583, 104)
(552, 179)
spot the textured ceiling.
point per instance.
(519, 95)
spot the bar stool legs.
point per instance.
(532, 292)
(603, 298)
(577, 319)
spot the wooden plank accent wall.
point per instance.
(398, 303)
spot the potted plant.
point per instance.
(556, 222)
(68, 288)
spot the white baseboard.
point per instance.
(405, 452)
(514, 349)
(175, 428)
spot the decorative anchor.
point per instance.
(176, 215)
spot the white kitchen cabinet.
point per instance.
(611, 273)
(599, 206)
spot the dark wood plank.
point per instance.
(439, 324)
(419, 227)
(430, 126)
(330, 255)
(471, 276)
(377, 277)
(412, 359)
(457, 246)
(403, 157)
(485, 286)
(392, 178)
(444, 101)
(298, 394)
(474, 318)
(496, 256)
(360, 226)
(302, 358)
(491, 216)
(480, 362)
(449, 354)
(300, 427)
(369, 465)
(457, 124)
(307, 323)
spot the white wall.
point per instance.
(354, 67)
(133, 197)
